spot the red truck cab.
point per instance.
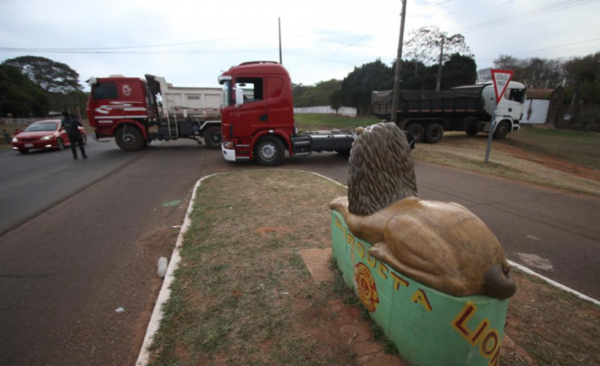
(121, 104)
(265, 115)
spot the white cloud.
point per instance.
(251, 29)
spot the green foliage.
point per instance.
(317, 95)
(19, 96)
(60, 102)
(459, 70)
(424, 46)
(358, 85)
(335, 100)
(50, 75)
(537, 73)
(583, 75)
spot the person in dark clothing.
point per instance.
(71, 126)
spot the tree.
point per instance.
(50, 75)
(583, 78)
(424, 46)
(459, 70)
(317, 95)
(19, 96)
(358, 85)
(534, 72)
(335, 100)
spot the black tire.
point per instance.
(213, 138)
(269, 151)
(501, 130)
(345, 153)
(471, 131)
(60, 145)
(434, 133)
(129, 138)
(417, 131)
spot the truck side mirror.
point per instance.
(239, 97)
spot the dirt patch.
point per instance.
(515, 163)
(552, 162)
(550, 327)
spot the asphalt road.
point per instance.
(64, 272)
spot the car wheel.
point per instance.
(417, 131)
(60, 144)
(434, 133)
(213, 137)
(471, 131)
(129, 138)
(269, 151)
(501, 131)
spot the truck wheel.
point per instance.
(434, 133)
(213, 137)
(501, 131)
(471, 131)
(417, 131)
(129, 138)
(269, 151)
(60, 144)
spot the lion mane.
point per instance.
(382, 169)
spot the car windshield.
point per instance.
(42, 126)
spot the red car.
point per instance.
(43, 135)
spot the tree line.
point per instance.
(32, 86)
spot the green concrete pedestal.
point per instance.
(430, 328)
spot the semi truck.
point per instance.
(136, 112)
(427, 114)
(257, 118)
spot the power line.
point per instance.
(332, 41)
(544, 49)
(328, 58)
(317, 57)
(121, 47)
(525, 15)
(42, 50)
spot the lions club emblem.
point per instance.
(365, 284)
(126, 90)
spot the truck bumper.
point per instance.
(228, 154)
(516, 128)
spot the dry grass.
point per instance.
(243, 295)
(553, 326)
(458, 150)
(242, 292)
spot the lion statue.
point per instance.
(442, 245)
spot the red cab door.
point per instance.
(251, 116)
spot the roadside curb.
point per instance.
(165, 290)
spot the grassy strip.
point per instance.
(242, 291)
(328, 121)
(243, 295)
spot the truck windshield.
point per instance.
(226, 96)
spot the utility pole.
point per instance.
(439, 79)
(398, 64)
(280, 58)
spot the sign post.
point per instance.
(501, 80)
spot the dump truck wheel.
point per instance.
(213, 137)
(129, 138)
(417, 131)
(434, 133)
(269, 151)
(501, 131)
(471, 131)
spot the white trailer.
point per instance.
(195, 103)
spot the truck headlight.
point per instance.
(228, 145)
(47, 137)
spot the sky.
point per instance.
(191, 43)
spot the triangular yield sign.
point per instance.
(501, 79)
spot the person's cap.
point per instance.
(65, 113)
